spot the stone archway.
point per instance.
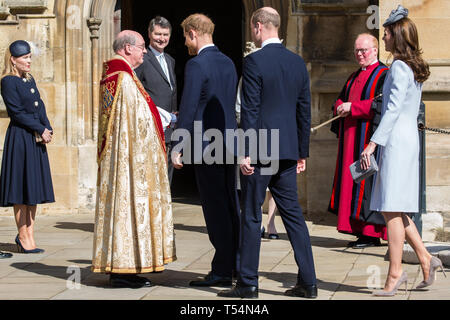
(101, 19)
(86, 31)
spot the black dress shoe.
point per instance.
(128, 281)
(365, 242)
(239, 291)
(302, 291)
(4, 255)
(212, 280)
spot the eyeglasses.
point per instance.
(142, 46)
(362, 50)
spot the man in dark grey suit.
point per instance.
(157, 74)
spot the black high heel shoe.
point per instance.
(21, 249)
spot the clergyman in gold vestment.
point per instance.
(133, 217)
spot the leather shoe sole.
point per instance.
(302, 292)
(4, 255)
(129, 282)
(366, 245)
(212, 280)
(240, 292)
(211, 283)
(362, 243)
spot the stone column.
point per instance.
(94, 26)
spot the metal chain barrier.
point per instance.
(422, 128)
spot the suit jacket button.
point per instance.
(32, 90)
(36, 104)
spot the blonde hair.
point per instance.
(10, 69)
(266, 16)
(198, 22)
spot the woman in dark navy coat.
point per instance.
(25, 178)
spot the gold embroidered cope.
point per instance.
(133, 218)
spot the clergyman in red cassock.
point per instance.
(350, 201)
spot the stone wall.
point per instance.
(73, 37)
(66, 58)
(323, 34)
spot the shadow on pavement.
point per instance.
(173, 278)
(358, 252)
(87, 227)
(199, 229)
(8, 247)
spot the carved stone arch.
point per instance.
(101, 24)
(72, 44)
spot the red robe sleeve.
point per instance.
(362, 109)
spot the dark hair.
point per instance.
(159, 21)
(406, 48)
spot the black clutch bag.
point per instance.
(358, 174)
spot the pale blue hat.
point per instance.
(396, 15)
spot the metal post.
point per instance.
(422, 167)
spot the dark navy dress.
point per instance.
(25, 176)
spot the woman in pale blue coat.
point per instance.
(396, 187)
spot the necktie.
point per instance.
(163, 64)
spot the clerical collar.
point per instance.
(204, 47)
(156, 52)
(365, 68)
(270, 41)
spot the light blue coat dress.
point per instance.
(396, 186)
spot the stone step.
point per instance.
(437, 249)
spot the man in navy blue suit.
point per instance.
(208, 100)
(275, 97)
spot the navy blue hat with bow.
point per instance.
(19, 48)
(396, 15)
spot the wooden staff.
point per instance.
(335, 118)
(325, 123)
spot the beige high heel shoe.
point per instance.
(403, 279)
(435, 264)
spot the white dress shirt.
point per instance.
(163, 63)
(204, 47)
(270, 41)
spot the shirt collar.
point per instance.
(156, 52)
(365, 68)
(204, 47)
(270, 41)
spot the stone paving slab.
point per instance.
(343, 274)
